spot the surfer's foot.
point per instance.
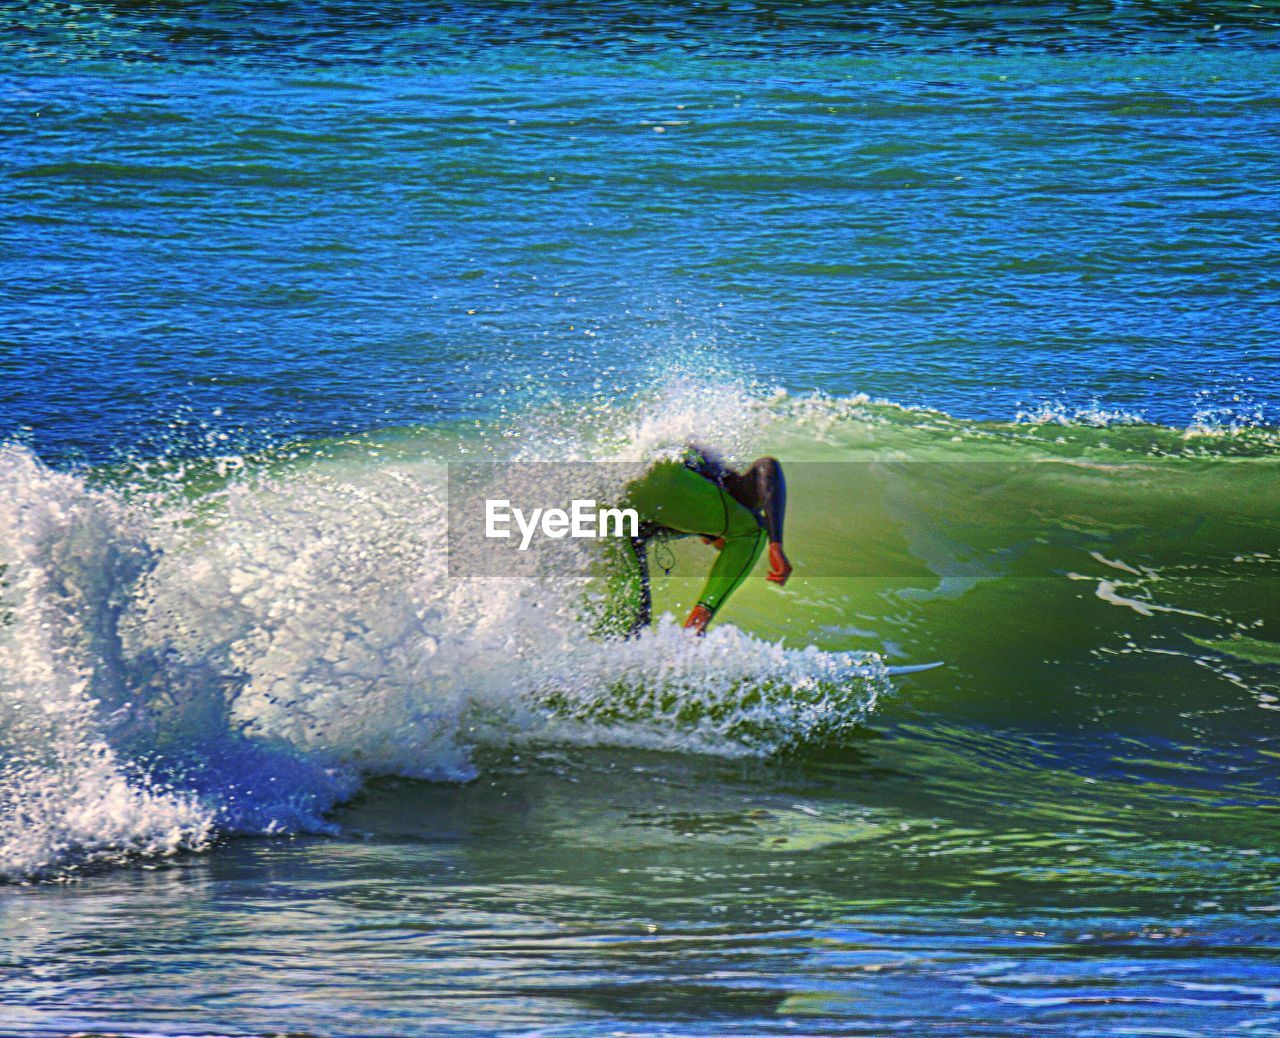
(698, 619)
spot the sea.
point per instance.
(998, 283)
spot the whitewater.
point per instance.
(180, 664)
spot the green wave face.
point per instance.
(1081, 576)
(1091, 584)
(1050, 587)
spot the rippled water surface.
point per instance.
(616, 894)
(345, 215)
(998, 283)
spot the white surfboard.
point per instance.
(915, 668)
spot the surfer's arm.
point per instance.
(763, 489)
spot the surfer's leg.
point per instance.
(623, 608)
(672, 495)
(644, 600)
(743, 544)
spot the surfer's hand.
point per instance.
(779, 566)
(698, 620)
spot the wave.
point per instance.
(191, 647)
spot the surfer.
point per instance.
(738, 513)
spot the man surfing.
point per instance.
(698, 495)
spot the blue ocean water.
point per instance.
(346, 216)
(997, 282)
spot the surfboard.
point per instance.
(915, 668)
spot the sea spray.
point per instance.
(230, 653)
(70, 556)
(730, 693)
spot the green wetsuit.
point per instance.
(675, 497)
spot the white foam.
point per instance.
(65, 792)
(1055, 412)
(178, 665)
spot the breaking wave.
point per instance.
(192, 648)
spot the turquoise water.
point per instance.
(996, 283)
